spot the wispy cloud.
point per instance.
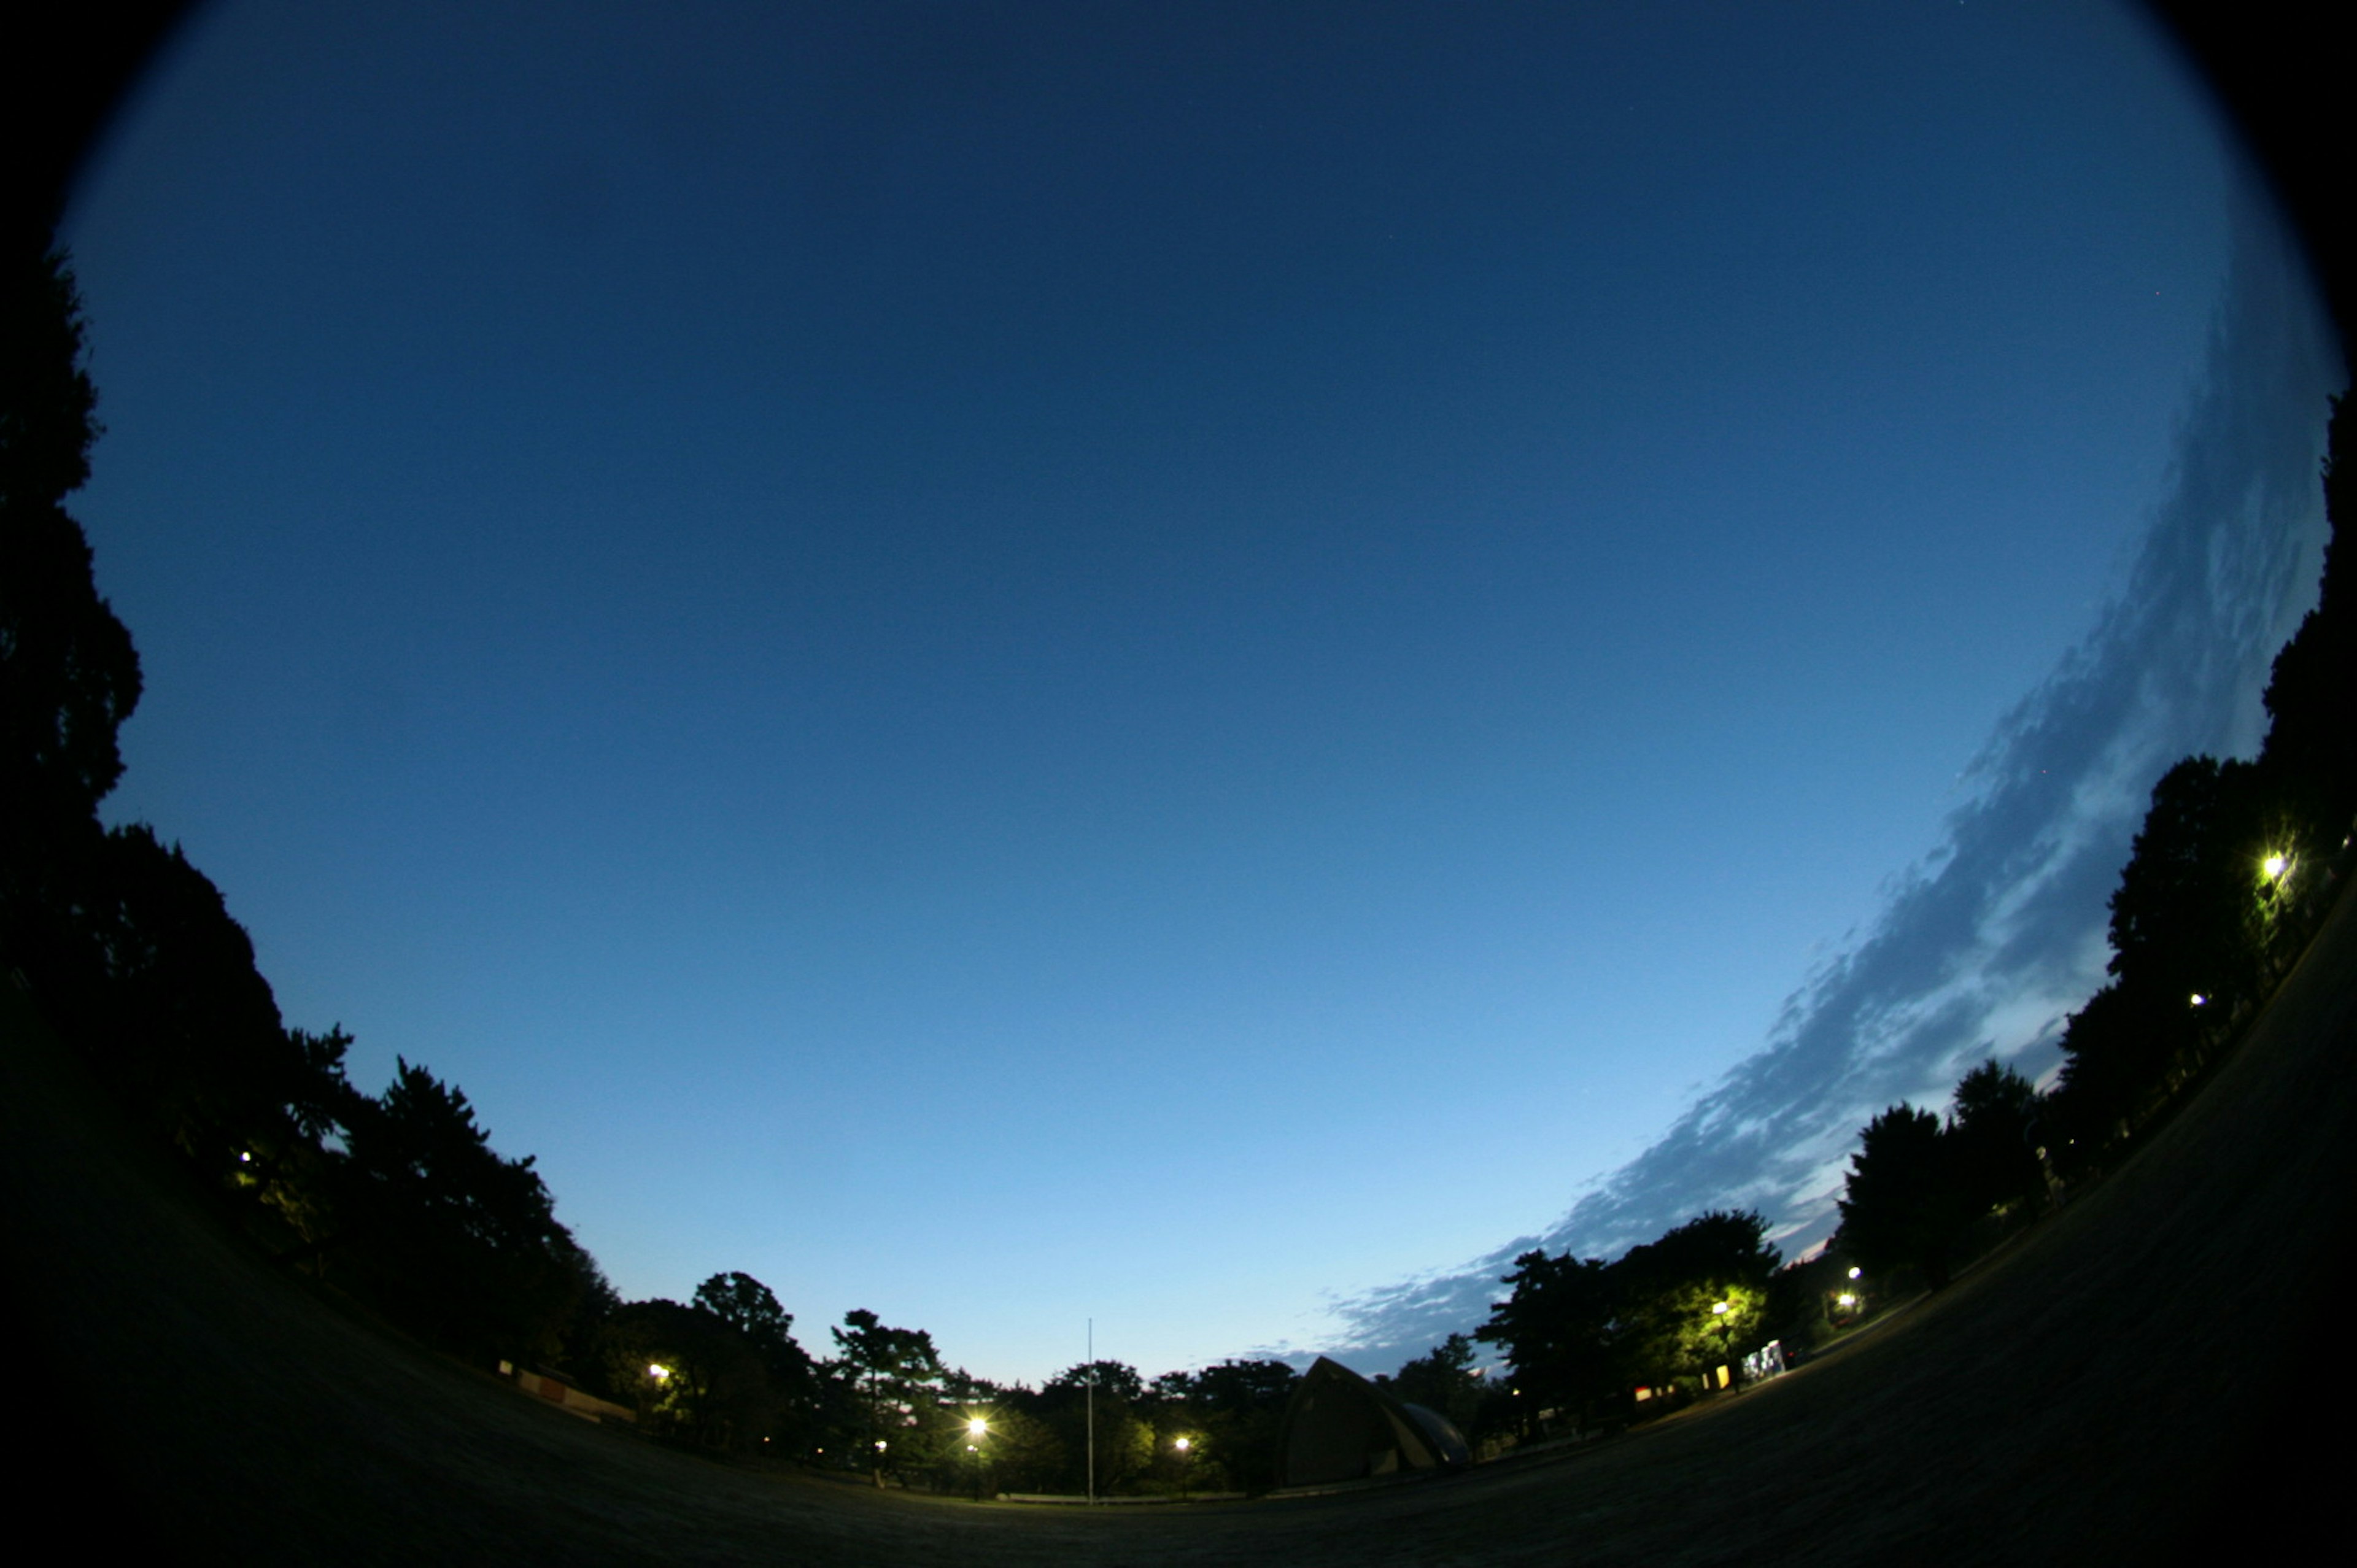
(1983, 947)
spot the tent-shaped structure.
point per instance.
(1340, 1427)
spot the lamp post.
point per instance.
(1848, 1301)
(1186, 1464)
(976, 1429)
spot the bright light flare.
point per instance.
(976, 1427)
(2274, 866)
(657, 1370)
(1182, 1445)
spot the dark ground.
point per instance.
(2155, 1372)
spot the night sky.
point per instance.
(1197, 665)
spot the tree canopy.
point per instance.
(1582, 1333)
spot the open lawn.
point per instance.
(2154, 1372)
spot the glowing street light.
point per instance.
(1854, 1273)
(975, 1426)
(2200, 999)
(2274, 866)
(657, 1370)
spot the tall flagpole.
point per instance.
(1092, 1398)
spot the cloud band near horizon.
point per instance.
(1984, 946)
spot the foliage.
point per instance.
(134, 956)
(2311, 745)
(68, 676)
(458, 1241)
(1581, 1333)
(1557, 1328)
(1993, 1135)
(693, 1375)
(748, 1309)
(1098, 1408)
(2232, 870)
(1443, 1379)
(897, 1376)
(1232, 1413)
(1668, 1293)
(1900, 1208)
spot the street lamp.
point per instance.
(1186, 1457)
(976, 1429)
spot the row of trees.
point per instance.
(1583, 1335)
(2236, 863)
(724, 1373)
(1920, 1191)
(398, 1198)
(131, 955)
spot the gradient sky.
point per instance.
(1179, 663)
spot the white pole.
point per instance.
(1092, 1398)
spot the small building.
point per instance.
(1340, 1427)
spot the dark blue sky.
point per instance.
(1012, 663)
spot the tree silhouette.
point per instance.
(1234, 1411)
(2311, 746)
(694, 1376)
(1992, 1136)
(1556, 1327)
(1441, 1380)
(748, 1308)
(458, 1241)
(68, 676)
(1581, 1331)
(898, 1372)
(132, 954)
(1900, 1208)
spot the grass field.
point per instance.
(2153, 1375)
